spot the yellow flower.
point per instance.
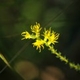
(26, 35)
(46, 34)
(53, 38)
(36, 28)
(39, 44)
(50, 37)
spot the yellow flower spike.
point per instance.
(53, 38)
(36, 28)
(26, 35)
(50, 38)
(46, 34)
(39, 44)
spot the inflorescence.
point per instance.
(47, 38)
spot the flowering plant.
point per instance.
(47, 38)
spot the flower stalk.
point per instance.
(49, 39)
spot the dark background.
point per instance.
(16, 16)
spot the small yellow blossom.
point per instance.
(53, 38)
(46, 34)
(26, 35)
(36, 28)
(39, 44)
